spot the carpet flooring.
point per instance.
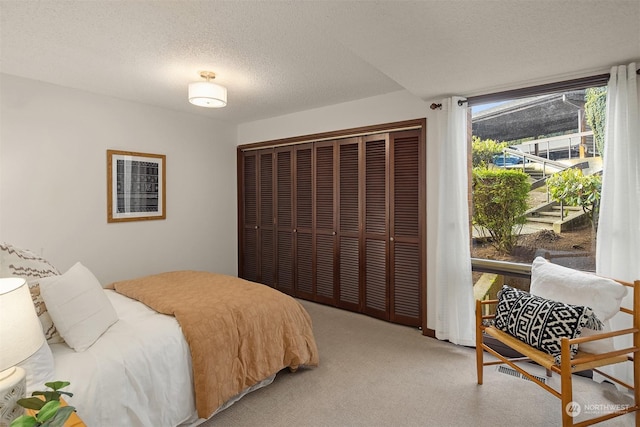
(375, 373)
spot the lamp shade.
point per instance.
(20, 330)
(207, 94)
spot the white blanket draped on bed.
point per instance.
(140, 371)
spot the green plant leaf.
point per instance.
(48, 395)
(48, 411)
(60, 417)
(57, 385)
(24, 421)
(66, 393)
(31, 403)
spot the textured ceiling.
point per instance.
(280, 57)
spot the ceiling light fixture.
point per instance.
(207, 94)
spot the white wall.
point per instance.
(391, 107)
(53, 143)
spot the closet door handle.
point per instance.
(391, 239)
(255, 227)
(333, 234)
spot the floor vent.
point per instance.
(510, 371)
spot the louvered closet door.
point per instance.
(303, 215)
(376, 292)
(249, 248)
(325, 229)
(284, 220)
(349, 224)
(265, 219)
(405, 253)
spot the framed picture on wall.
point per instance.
(135, 186)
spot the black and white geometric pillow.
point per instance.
(540, 322)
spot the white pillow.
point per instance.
(39, 368)
(575, 287)
(78, 306)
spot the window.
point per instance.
(536, 174)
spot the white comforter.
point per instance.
(137, 374)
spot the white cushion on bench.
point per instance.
(570, 286)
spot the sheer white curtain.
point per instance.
(618, 239)
(449, 281)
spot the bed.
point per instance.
(171, 349)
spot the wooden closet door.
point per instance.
(266, 244)
(405, 228)
(324, 235)
(257, 253)
(349, 220)
(249, 216)
(376, 290)
(303, 226)
(284, 220)
(339, 221)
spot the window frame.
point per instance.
(508, 268)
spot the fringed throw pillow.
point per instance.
(540, 322)
(17, 262)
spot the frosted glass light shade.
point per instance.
(20, 330)
(207, 94)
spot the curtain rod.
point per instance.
(435, 106)
(581, 83)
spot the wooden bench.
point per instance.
(580, 362)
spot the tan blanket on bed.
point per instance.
(239, 332)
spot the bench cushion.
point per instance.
(570, 286)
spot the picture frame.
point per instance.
(136, 186)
